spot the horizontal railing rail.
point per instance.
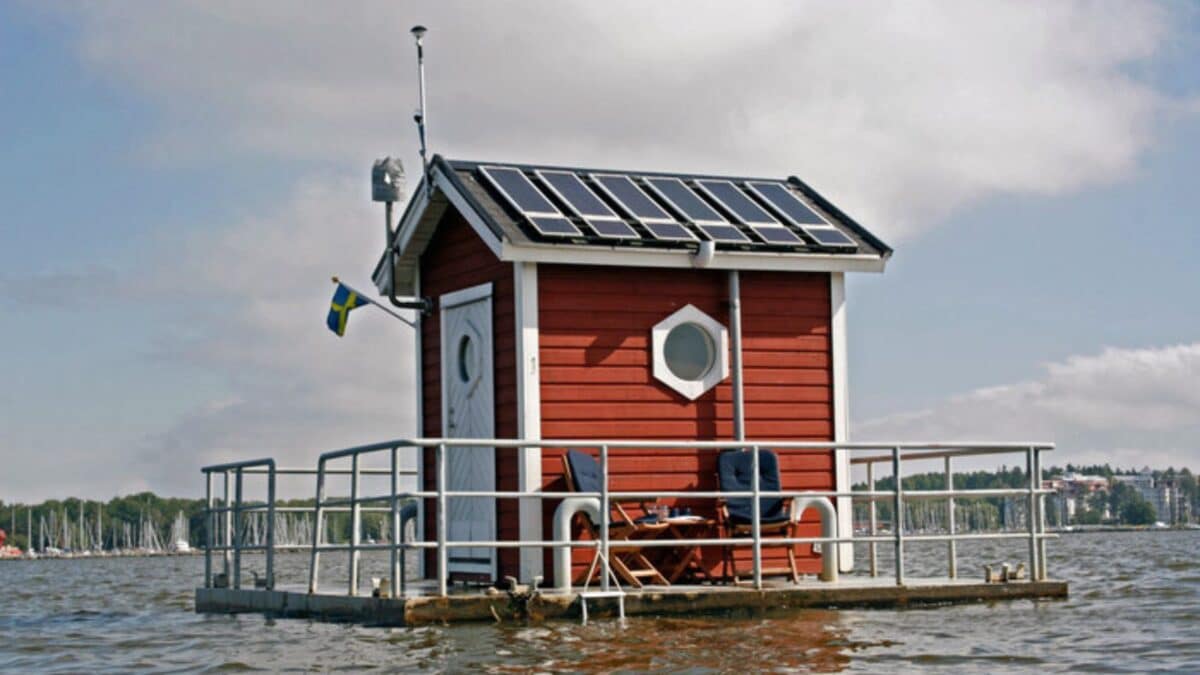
(356, 504)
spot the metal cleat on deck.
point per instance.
(520, 596)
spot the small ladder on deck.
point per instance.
(618, 593)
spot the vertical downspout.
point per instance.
(735, 343)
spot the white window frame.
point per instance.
(690, 389)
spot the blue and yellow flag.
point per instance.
(344, 300)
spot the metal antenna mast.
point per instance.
(419, 117)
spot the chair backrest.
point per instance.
(585, 471)
(735, 470)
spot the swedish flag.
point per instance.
(344, 300)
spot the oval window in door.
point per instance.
(466, 358)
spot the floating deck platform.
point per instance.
(419, 608)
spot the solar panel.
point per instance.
(641, 207)
(788, 205)
(584, 202)
(830, 236)
(692, 207)
(747, 211)
(523, 195)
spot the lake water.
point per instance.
(1134, 606)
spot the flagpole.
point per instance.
(363, 297)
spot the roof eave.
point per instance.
(885, 251)
(686, 258)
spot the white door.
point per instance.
(468, 411)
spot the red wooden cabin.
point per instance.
(585, 304)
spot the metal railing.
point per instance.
(1036, 517)
(231, 528)
(357, 504)
(224, 523)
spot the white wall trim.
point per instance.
(728, 260)
(717, 373)
(529, 413)
(419, 342)
(841, 413)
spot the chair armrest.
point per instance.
(624, 515)
(722, 513)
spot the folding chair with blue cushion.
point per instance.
(735, 471)
(625, 555)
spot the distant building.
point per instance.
(1072, 494)
(1163, 495)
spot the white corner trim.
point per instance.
(841, 414)
(420, 372)
(529, 414)
(691, 389)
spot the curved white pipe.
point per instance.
(562, 532)
(829, 551)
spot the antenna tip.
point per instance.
(418, 31)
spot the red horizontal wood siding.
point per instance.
(457, 258)
(596, 380)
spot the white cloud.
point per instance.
(901, 112)
(1124, 406)
(295, 389)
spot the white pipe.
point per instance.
(829, 552)
(735, 344)
(562, 532)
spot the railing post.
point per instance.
(238, 533)
(443, 563)
(314, 564)
(227, 538)
(395, 551)
(873, 519)
(355, 524)
(898, 516)
(756, 518)
(1041, 519)
(1032, 513)
(951, 546)
(271, 526)
(210, 521)
(604, 517)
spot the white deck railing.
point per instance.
(224, 522)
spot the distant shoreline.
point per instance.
(1090, 529)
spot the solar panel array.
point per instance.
(787, 204)
(667, 208)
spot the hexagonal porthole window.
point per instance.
(690, 352)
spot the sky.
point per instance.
(179, 180)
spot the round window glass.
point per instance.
(466, 358)
(689, 351)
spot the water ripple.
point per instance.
(1134, 607)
